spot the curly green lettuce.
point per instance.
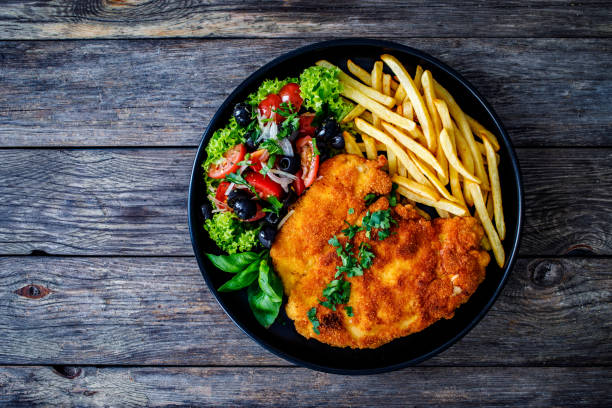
(269, 86)
(231, 234)
(222, 140)
(320, 86)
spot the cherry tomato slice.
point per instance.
(310, 161)
(269, 105)
(221, 197)
(258, 215)
(298, 184)
(258, 157)
(290, 93)
(263, 185)
(306, 128)
(231, 158)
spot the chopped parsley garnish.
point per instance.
(352, 230)
(271, 160)
(312, 316)
(271, 146)
(366, 257)
(349, 311)
(284, 109)
(380, 220)
(315, 150)
(351, 211)
(337, 292)
(276, 205)
(370, 198)
(239, 179)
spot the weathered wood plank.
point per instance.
(133, 201)
(254, 387)
(158, 311)
(548, 92)
(60, 19)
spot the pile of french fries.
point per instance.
(432, 152)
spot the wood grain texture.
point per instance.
(284, 387)
(142, 93)
(133, 201)
(59, 19)
(158, 311)
(548, 92)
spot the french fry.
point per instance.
(401, 170)
(484, 242)
(417, 77)
(442, 213)
(489, 204)
(482, 131)
(413, 146)
(481, 210)
(466, 159)
(464, 127)
(364, 89)
(392, 162)
(453, 175)
(415, 98)
(383, 112)
(407, 110)
(377, 72)
(400, 94)
(386, 85)
(416, 188)
(379, 146)
(443, 204)
(363, 75)
(367, 116)
(495, 190)
(350, 145)
(422, 213)
(394, 86)
(430, 95)
(402, 156)
(399, 110)
(356, 111)
(453, 160)
(432, 177)
(370, 147)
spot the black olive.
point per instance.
(242, 114)
(250, 144)
(328, 129)
(236, 195)
(290, 164)
(323, 155)
(206, 209)
(245, 208)
(289, 199)
(337, 142)
(267, 235)
(273, 218)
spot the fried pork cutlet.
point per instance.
(420, 274)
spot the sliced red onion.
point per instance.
(285, 144)
(283, 174)
(285, 218)
(283, 181)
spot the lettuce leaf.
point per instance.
(269, 86)
(231, 234)
(320, 86)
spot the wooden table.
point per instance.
(102, 106)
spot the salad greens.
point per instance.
(231, 234)
(320, 89)
(265, 290)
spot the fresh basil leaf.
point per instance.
(267, 282)
(242, 279)
(264, 309)
(233, 263)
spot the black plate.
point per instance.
(281, 338)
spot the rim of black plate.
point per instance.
(260, 74)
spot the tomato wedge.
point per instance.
(263, 185)
(258, 157)
(306, 128)
(270, 104)
(221, 197)
(310, 161)
(298, 184)
(229, 164)
(290, 93)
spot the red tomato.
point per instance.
(263, 185)
(310, 161)
(306, 128)
(269, 105)
(291, 93)
(221, 197)
(230, 163)
(298, 185)
(258, 157)
(258, 215)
